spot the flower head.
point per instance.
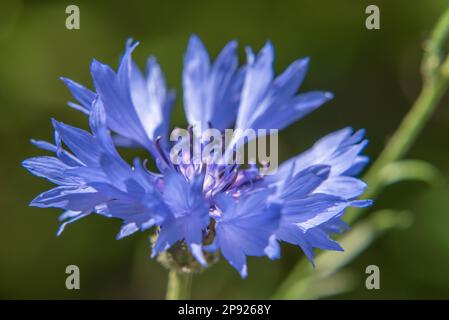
(223, 206)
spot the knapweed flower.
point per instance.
(205, 207)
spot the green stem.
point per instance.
(179, 285)
(436, 81)
(435, 74)
(401, 141)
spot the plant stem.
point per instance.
(401, 141)
(179, 285)
(435, 73)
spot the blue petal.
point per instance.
(136, 215)
(258, 77)
(233, 254)
(121, 141)
(69, 198)
(50, 168)
(79, 141)
(272, 104)
(303, 183)
(161, 99)
(115, 93)
(127, 230)
(82, 94)
(152, 101)
(316, 209)
(86, 175)
(317, 237)
(197, 251)
(63, 155)
(75, 218)
(335, 226)
(287, 83)
(69, 214)
(183, 196)
(225, 86)
(116, 170)
(188, 228)
(211, 92)
(357, 167)
(273, 250)
(194, 80)
(190, 213)
(44, 145)
(293, 234)
(340, 150)
(307, 222)
(293, 110)
(342, 186)
(245, 228)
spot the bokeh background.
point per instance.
(375, 78)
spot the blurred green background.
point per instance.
(374, 75)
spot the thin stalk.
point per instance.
(179, 285)
(435, 73)
(401, 141)
(435, 83)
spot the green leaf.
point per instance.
(411, 170)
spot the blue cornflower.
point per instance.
(205, 206)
